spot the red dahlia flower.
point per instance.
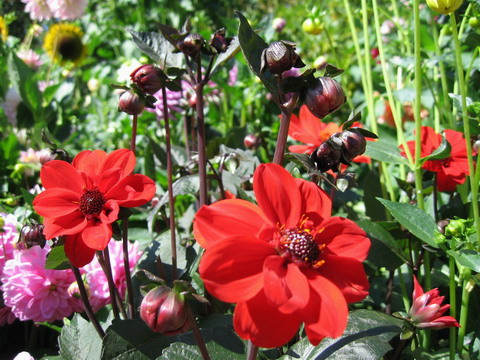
(310, 130)
(83, 199)
(450, 171)
(284, 262)
(426, 311)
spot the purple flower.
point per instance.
(233, 75)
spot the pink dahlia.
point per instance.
(67, 9)
(35, 293)
(31, 58)
(8, 237)
(97, 282)
(38, 9)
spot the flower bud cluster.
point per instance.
(31, 235)
(279, 57)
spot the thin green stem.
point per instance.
(466, 125)
(453, 305)
(403, 288)
(463, 311)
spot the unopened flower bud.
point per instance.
(31, 235)
(191, 45)
(278, 24)
(444, 7)
(74, 291)
(218, 41)
(280, 56)
(251, 141)
(324, 96)
(455, 228)
(326, 156)
(441, 225)
(149, 78)
(476, 146)
(353, 144)
(439, 238)
(131, 103)
(164, 311)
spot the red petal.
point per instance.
(277, 194)
(302, 149)
(327, 312)
(306, 127)
(362, 159)
(216, 221)
(109, 179)
(232, 270)
(316, 204)
(69, 224)
(77, 252)
(345, 238)
(56, 202)
(110, 212)
(61, 174)
(97, 235)
(133, 190)
(417, 289)
(449, 183)
(457, 141)
(263, 324)
(121, 158)
(285, 286)
(90, 162)
(430, 140)
(348, 275)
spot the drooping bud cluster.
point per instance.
(192, 44)
(324, 96)
(339, 148)
(31, 235)
(164, 311)
(280, 56)
(218, 41)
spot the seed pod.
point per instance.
(191, 45)
(149, 78)
(280, 56)
(131, 103)
(324, 96)
(353, 144)
(326, 156)
(164, 311)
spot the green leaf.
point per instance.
(467, 258)
(156, 46)
(415, 220)
(384, 151)
(229, 53)
(391, 257)
(366, 337)
(187, 185)
(252, 47)
(442, 152)
(302, 160)
(79, 340)
(56, 259)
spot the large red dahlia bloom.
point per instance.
(83, 199)
(284, 262)
(452, 170)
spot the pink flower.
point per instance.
(426, 311)
(233, 75)
(174, 103)
(67, 9)
(8, 237)
(38, 9)
(31, 58)
(35, 293)
(99, 293)
(10, 105)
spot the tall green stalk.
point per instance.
(453, 305)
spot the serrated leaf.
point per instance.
(384, 151)
(57, 259)
(467, 258)
(156, 46)
(442, 152)
(252, 47)
(79, 340)
(367, 337)
(415, 220)
(232, 50)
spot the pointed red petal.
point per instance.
(90, 162)
(61, 174)
(109, 179)
(97, 235)
(133, 190)
(69, 224)
(215, 222)
(121, 158)
(417, 289)
(316, 204)
(56, 202)
(110, 212)
(77, 252)
(302, 149)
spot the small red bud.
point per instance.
(251, 141)
(164, 311)
(191, 45)
(149, 78)
(131, 103)
(218, 41)
(324, 96)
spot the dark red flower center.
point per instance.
(300, 246)
(91, 202)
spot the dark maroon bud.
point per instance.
(280, 56)
(31, 235)
(164, 311)
(251, 141)
(191, 45)
(441, 225)
(218, 41)
(324, 96)
(326, 156)
(149, 78)
(353, 144)
(131, 103)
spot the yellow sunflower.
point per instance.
(3, 29)
(63, 43)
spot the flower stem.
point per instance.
(282, 137)
(104, 260)
(466, 124)
(171, 199)
(197, 334)
(202, 162)
(133, 141)
(453, 305)
(464, 311)
(86, 302)
(252, 351)
(128, 274)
